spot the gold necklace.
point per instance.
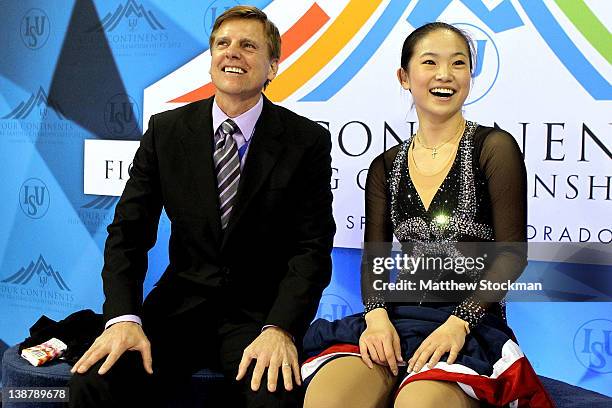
(450, 159)
(434, 149)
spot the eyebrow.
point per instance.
(241, 40)
(433, 54)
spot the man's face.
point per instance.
(241, 63)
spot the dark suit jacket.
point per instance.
(274, 258)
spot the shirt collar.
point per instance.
(246, 121)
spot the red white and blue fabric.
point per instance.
(491, 366)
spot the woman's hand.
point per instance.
(449, 337)
(380, 342)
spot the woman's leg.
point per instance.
(348, 382)
(434, 394)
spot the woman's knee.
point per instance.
(433, 394)
(323, 400)
(348, 382)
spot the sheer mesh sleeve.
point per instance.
(378, 227)
(502, 163)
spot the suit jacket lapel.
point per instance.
(262, 155)
(198, 144)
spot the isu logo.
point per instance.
(35, 29)
(214, 10)
(39, 271)
(593, 345)
(333, 307)
(133, 13)
(120, 115)
(34, 198)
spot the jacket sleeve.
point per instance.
(309, 269)
(133, 232)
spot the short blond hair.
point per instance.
(252, 13)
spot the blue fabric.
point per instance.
(243, 149)
(3, 347)
(413, 323)
(570, 396)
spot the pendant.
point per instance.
(434, 151)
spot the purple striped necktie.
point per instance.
(227, 167)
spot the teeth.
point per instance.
(234, 70)
(445, 91)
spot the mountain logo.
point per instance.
(40, 270)
(41, 101)
(101, 203)
(133, 13)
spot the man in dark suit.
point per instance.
(246, 186)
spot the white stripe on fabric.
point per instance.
(468, 390)
(309, 368)
(236, 165)
(227, 200)
(510, 353)
(224, 200)
(225, 153)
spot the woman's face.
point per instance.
(438, 74)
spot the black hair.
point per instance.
(411, 41)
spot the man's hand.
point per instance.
(380, 342)
(448, 338)
(113, 342)
(274, 349)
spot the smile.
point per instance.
(442, 92)
(234, 70)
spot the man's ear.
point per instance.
(273, 69)
(402, 77)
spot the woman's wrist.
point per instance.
(470, 311)
(373, 302)
(376, 315)
(459, 322)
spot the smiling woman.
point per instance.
(452, 181)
